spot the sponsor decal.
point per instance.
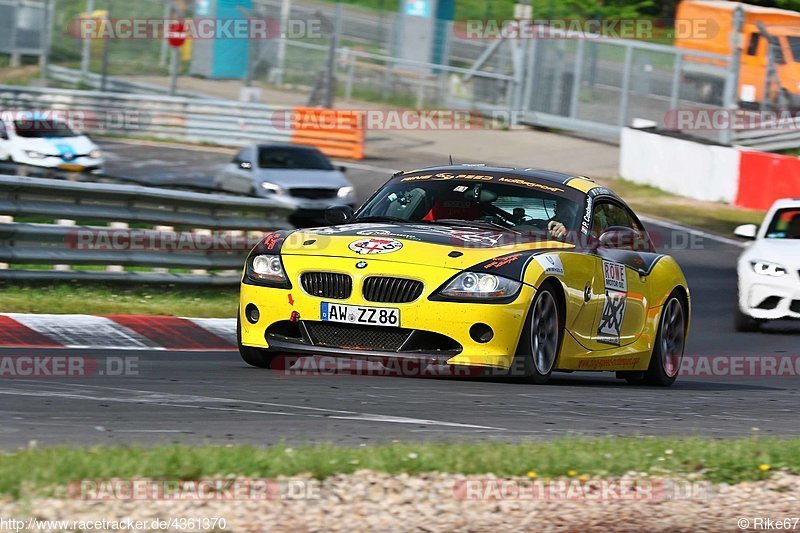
(387, 233)
(502, 261)
(445, 176)
(611, 320)
(615, 276)
(461, 188)
(616, 285)
(375, 246)
(272, 240)
(586, 223)
(551, 264)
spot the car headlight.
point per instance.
(272, 188)
(35, 155)
(765, 268)
(267, 268)
(96, 154)
(479, 286)
(344, 192)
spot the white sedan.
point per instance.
(769, 269)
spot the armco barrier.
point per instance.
(765, 177)
(206, 233)
(189, 119)
(680, 166)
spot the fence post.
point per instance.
(15, 57)
(576, 80)
(86, 52)
(622, 117)
(675, 93)
(730, 100)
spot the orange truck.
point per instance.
(707, 25)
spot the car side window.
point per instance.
(242, 160)
(752, 46)
(607, 214)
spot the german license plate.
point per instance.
(355, 314)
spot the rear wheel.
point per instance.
(541, 338)
(256, 357)
(665, 361)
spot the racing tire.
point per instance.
(540, 342)
(665, 360)
(744, 323)
(256, 357)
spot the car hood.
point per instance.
(61, 146)
(290, 179)
(783, 251)
(422, 244)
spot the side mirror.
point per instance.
(245, 165)
(338, 214)
(622, 238)
(746, 231)
(4, 135)
(343, 170)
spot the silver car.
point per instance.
(302, 174)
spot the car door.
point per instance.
(621, 277)
(238, 176)
(5, 143)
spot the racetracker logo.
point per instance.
(564, 28)
(200, 490)
(730, 119)
(715, 366)
(53, 120)
(194, 29)
(581, 489)
(66, 366)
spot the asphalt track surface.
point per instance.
(213, 397)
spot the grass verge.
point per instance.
(712, 216)
(108, 299)
(40, 471)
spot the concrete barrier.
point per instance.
(687, 168)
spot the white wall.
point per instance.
(686, 168)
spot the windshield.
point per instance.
(293, 158)
(794, 46)
(526, 206)
(785, 224)
(42, 128)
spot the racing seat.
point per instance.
(458, 209)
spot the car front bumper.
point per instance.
(439, 331)
(766, 298)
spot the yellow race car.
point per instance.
(522, 272)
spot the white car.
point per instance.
(769, 269)
(40, 141)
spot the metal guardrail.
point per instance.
(95, 81)
(185, 119)
(215, 235)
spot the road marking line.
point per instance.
(692, 231)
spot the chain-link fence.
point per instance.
(584, 83)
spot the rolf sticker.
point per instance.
(375, 246)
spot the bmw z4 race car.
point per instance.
(524, 272)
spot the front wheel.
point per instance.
(665, 361)
(541, 338)
(256, 357)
